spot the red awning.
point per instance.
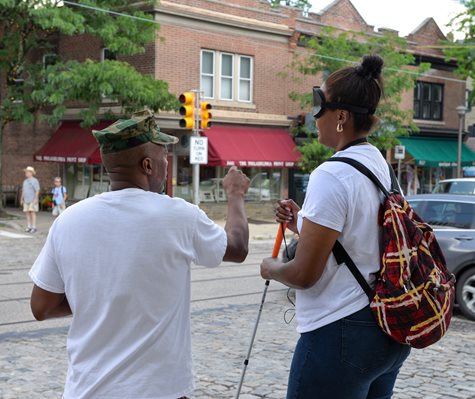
(250, 147)
(73, 144)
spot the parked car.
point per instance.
(264, 187)
(455, 186)
(453, 219)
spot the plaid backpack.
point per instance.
(414, 293)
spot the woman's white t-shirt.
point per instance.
(343, 199)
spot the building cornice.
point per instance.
(169, 120)
(167, 8)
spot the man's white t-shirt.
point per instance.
(123, 259)
(343, 199)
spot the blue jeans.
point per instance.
(348, 359)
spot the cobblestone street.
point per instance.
(33, 357)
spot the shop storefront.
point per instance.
(263, 154)
(77, 151)
(429, 160)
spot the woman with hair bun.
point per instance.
(342, 353)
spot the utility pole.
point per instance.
(399, 154)
(461, 109)
(196, 116)
(196, 166)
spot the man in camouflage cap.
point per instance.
(127, 133)
(119, 262)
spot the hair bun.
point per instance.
(370, 67)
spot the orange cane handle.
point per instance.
(278, 240)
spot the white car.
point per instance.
(464, 185)
(452, 217)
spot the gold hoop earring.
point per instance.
(339, 127)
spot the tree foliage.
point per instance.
(463, 51)
(29, 30)
(303, 4)
(331, 51)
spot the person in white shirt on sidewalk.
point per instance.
(119, 263)
(342, 352)
(60, 196)
(30, 198)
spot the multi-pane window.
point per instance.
(49, 59)
(428, 101)
(106, 54)
(207, 73)
(244, 79)
(226, 76)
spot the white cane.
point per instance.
(275, 253)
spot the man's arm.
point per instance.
(314, 248)
(37, 196)
(48, 305)
(237, 229)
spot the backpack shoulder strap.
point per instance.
(395, 186)
(342, 256)
(370, 175)
(339, 252)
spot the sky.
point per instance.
(402, 15)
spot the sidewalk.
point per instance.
(259, 230)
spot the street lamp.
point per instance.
(461, 109)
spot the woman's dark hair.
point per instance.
(361, 85)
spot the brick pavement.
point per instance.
(33, 363)
(33, 359)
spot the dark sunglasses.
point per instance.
(319, 105)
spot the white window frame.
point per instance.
(240, 78)
(213, 75)
(231, 78)
(45, 56)
(106, 99)
(235, 78)
(103, 54)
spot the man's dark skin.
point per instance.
(145, 167)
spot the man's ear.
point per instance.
(147, 165)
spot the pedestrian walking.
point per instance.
(30, 197)
(342, 353)
(119, 263)
(60, 196)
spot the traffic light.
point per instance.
(187, 110)
(205, 115)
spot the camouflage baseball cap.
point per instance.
(123, 134)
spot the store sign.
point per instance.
(58, 158)
(399, 152)
(198, 150)
(261, 164)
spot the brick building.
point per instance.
(432, 153)
(234, 52)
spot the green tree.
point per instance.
(331, 51)
(303, 4)
(29, 29)
(463, 51)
